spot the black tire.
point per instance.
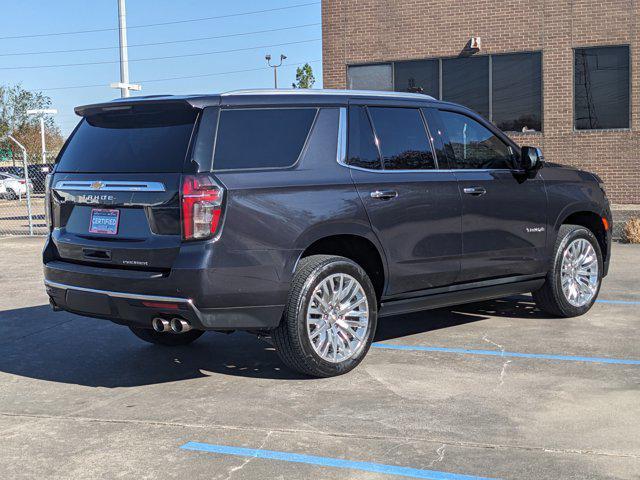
(550, 297)
(167, 339)
(291, 339)
(11, 195)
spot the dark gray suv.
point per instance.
(305, 215)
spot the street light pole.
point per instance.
(42, 112)
(26, 180)
(267, 57)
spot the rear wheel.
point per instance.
(166, 338)
(573, 283)
(11, 195)
(330, 318)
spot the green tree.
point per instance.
(14, 103)
(304, 77)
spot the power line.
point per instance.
(154, 80)
(110, 62)
(163, 43)
(175, 22)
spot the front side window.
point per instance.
(370, 77)
(403, 139)
(474, 146)
(363, 151)
(601, 87)
(261, 138)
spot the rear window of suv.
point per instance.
(149, 140)
(261, 138)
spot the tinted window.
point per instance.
(420, 76)
(517, 91)
(370, 77)
(362, 148)
(601, 87)
(403, 139)
(466, 81)
(144, 140)
(474, 146)
(261, 138)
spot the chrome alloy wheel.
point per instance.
(579, 272)
(338, 318)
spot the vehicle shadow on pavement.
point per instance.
(60, 347)
(390, 328)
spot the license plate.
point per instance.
(104, 221)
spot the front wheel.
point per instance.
(330, 318)
(573, 283)
(166, 338)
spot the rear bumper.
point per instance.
(129, 309)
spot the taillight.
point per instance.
(47, 201)
(201, 207)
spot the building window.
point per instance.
(506, 88)
(601, 87)
(466, 81)
(419, 76)
(516, 91)
(371, 77)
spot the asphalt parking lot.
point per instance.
(492, 390)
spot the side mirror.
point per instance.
(531, 159)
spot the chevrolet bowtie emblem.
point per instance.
(97, 185)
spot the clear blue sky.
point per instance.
(30, 17)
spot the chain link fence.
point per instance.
(22, 197)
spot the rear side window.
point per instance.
(139, 139)
(261, 138)
(363, 151)
(403, 139)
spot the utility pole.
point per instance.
(123, 84)
(42, 112)
(124, 55)
(267, 57)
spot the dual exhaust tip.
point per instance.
(175, 325)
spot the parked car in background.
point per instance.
(12, 187)
(37, 174)
(304, 215)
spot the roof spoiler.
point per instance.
(142, 102)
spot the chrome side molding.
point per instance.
(108, 186)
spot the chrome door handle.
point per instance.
(477, 191)
(384, 194)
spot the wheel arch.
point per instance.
(586, 217)
(362, 249)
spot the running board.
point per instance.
(458, 297)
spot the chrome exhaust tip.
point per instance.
(178, 325)
(160, 325)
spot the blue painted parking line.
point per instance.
(619, 302)
(498, 353)
(328, 462)
(611, 302)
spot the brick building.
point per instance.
(558, 74)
